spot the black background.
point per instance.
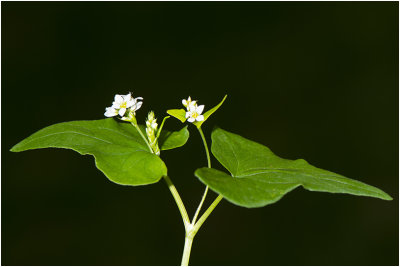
(310, 80)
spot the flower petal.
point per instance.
(138, 105)
(192, 106)
(191, 119)
(110, 112)
(122, 111)
(200, 109)
(188, 114)
(118, 99)
(184, 102)
(130, 103)
(127, 97)
(116, 105)
(200, 118)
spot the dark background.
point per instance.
(310, 80)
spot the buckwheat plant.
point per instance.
(130, 154)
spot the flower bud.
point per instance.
(151, 130)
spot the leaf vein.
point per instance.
(73, 132)
(309, 175)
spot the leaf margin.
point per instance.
(199, 173)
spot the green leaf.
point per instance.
(259, 177)
(119, 151)
(180, 114)
(170, 140)
(209, 112)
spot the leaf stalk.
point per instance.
(142, 135)
(179, 202)
(209, 166)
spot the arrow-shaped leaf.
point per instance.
(119, 151)
(259, 177)
(209, 113)
(169, 140)
(180, 114)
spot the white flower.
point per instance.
(137, 104)
(122, 104)
(189, 103)
(194, 113)
(111, 112)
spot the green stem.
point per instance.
(178, 201)
(143, 136)
(199, 207)
(189, 236)
(186, 250)
(205, 146)
(162, 125)
(206, 214)
(209, 166)
(191, 231)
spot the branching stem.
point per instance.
(200, 205)
(192, 229)
(206, 214)
(178, 201)
(209, 166)
(143, 136)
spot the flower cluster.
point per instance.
(124, 106)
(151, 130)
(194, 111)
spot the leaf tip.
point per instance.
(16, 148)
(387, 197)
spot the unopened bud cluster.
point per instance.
(151, 131)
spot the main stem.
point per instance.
(192, 228)
(186, 250)
(188, 226)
